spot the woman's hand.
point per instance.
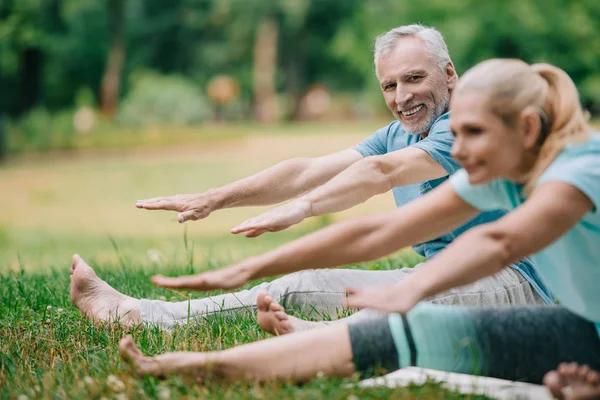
(399, 297)
(225, 278)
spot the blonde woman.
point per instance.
(525, 145)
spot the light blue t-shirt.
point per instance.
(571, 265)
(438, 145)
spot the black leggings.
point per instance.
(515, 343)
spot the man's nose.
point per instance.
(402, 96)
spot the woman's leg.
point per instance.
(517, 343)
(335, 351)
(294, 357)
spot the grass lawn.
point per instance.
(53, 206)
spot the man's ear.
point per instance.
(531, 126)
(451, 76)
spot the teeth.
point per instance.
(412, 111)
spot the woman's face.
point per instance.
(485, 146)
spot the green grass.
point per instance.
(48, 350)
(56, 205)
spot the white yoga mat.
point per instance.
(467, 384)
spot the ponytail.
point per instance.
(563, 116)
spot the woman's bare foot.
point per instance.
(188, 364)
(272, 318)
(98, 300)
(572, 381)
(141, 364)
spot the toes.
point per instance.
(261, 301)
(129, 351)
(275, 307)
(74, 261)
(567, 369)
(593, 377)
(281, 316)
(554, 382)
(582, 371)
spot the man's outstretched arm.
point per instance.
(359, 182)
(280, 182)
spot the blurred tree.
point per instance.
(111, 81)
(265, 64)
(51, 49)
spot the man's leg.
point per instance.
(313, 291)
(508, 287)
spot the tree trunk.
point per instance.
(265, 63)
(31, 78)
(111, 81)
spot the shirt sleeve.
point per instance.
(376, 144)
(438, 144)
(579, 170)
(486, 197)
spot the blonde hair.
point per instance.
(513, 85)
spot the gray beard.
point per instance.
(432, 116)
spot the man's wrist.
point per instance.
(305, 205)
(216, 198)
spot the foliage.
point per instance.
(163, 100)
(41, 130)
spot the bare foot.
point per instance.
(272, 318)
(197, 365)
(572, 381)
(141, 364)
(98, 300)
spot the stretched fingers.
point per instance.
(161, 203)
(181, 282)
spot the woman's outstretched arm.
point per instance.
(356, 240)
(553, 209)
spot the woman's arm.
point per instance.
(352, 241)
(553, 209)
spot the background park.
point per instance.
(106, 102)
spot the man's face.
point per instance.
(414, 87)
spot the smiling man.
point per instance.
(410, 156)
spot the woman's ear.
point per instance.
(531, 125)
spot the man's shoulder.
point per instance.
(441, 125)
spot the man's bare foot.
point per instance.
(572, 381)
(272, 318)
(98, 300)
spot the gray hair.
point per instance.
(434, 42)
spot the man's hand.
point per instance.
(400, 297)
(275, 220)
(191, 207)
(225, 278)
